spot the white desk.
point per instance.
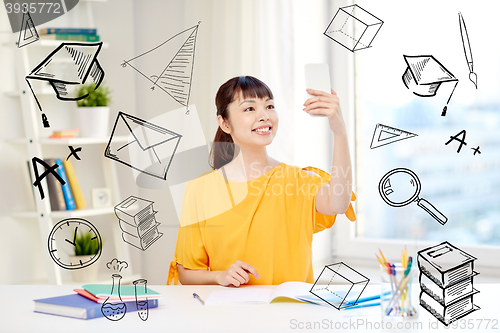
(178, 311)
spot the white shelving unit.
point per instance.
(35, 146)
(71, 141)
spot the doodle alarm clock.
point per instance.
(62, 243)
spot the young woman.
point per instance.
(251, 219)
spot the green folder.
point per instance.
(104, 290)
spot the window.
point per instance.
(464, 186)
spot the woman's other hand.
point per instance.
(237, 274)
(327, 105)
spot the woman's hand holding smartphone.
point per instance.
(321, 102)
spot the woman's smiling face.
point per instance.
(253, 121)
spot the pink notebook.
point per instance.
(92, 297)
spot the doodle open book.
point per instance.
(298, 291)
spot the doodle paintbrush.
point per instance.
(467, 49)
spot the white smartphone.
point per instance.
(317, 78)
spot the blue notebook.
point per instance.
(77, 306)
(68, 195)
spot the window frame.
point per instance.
(348, 248)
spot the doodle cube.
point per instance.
(353, 27)
(339, 285)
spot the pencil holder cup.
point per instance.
(398, 295)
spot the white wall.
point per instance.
(235, 38)
(266, 39)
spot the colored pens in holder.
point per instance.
(397, 287)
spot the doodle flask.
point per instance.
(113, 308)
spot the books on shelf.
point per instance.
(70, 34)
(75, 31)
(72, 37)
(78, 306)
(446, 282)
(74, 185)
(63, 197)
(56, 194)
(66, 189)
(65, 133)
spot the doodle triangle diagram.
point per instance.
(384, 135)
(28, 33)
(175, 77)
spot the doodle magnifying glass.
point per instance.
(400, 187)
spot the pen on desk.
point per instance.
(366, 301)
(195, 295)
(362, 305)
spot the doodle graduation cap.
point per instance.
(424, 75)
(70, 65)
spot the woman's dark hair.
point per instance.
(222, 151)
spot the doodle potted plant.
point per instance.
(93, 110)
(85, 247)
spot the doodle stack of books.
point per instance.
(446, 282)
(138, 222)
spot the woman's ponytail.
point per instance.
(222, 151)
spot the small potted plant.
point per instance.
(85, 247)
(93, 110)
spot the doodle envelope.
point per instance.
(149, 149)
(68, 67)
